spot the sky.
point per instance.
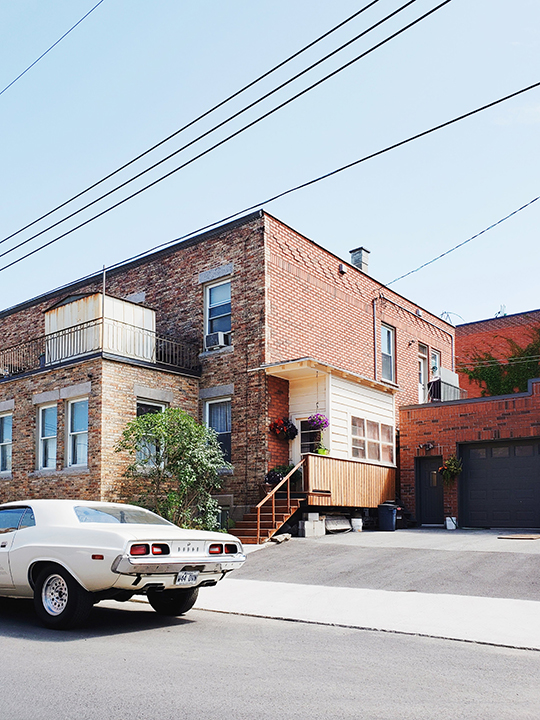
(133, 72)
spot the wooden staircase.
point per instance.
(246, 529)
(269, 515)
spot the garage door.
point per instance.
(500, 484)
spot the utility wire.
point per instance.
(472, 364)
(465, 241)
(197, 119)
(216, 145)
(216, 127)
(49, 49)
(285, 192)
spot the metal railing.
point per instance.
(440, 391)
(272, 496)
(112, 336)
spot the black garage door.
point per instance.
(500, 484)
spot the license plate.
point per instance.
(187, 578)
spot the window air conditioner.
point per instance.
(216, 340)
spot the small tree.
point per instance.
(175, 464)
(509, 375)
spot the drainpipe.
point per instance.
(374, 303)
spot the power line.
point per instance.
(465, 241)
(196, 120)
(221, 124)
(210, 149)
(49, 49)
(290, 190)
(473, 364)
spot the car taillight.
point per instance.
(142, 549)
(231, 549)
(161, 549)
(215, 549)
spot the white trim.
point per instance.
(41, 438)
(7, 471)
(70, 435)
(207, 288)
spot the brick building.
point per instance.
(239, 326)
(498, 441)
(492, 336)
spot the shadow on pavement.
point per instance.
(18, 619)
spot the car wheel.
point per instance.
(173, 602)
(60, 602)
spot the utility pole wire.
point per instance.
(464, 242)
(216, 145)
(285, 192)
(49, 49)
(193, 122)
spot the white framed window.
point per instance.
(218, 308)
(47, 429)
(388, 352)
(77, 433)
(435, 363)
(372, 440)
(6, 439)
(218, 417)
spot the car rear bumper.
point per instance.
(127, 565)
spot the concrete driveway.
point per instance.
(474, 585)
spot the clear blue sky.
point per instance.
(133, 72)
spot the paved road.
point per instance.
(130, 664)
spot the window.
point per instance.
(10, 519)
(218, 308)
(5, 442)
(47, 437)
(310, 439)
(435, 363)
(78, 433)
(147, 454)
(372, 440)
(388, 352)
(218, 417)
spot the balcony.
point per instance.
(112, 337)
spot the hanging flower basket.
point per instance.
(318, 421)
(450, 469)
(284, 428)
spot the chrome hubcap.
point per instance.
(54, 594)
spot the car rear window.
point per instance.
(132, 516)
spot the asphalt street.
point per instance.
(131, 664)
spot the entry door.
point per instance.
(429, 491)
(422, 373)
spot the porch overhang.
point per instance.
(309, 367)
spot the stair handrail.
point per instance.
(272, 494)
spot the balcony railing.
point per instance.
(440, 391)
(111, 336)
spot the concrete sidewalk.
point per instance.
(496, 621)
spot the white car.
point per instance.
(70, 554)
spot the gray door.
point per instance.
(500, 484)
(429, 491)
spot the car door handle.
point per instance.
(4, 544)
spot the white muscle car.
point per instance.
(70, 554)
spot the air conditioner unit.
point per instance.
(216, 340)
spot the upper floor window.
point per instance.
(147, 453)
(218, 308)
(218, 417)
(6, 422)
(435, 363)
(388, 352)
(78, 432)
(47, 437)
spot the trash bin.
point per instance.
(387, 517)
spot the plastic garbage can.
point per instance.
(387, 517)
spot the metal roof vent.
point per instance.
(360, 258)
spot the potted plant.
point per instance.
(450, 469)
(284, 428)
(321, 450)
(318, 422)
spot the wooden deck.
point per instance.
(334, 482)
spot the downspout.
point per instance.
(374, 303)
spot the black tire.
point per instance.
(173, 602)
(59, 601)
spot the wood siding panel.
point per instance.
(349, 483)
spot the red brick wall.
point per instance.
(278, 407)
(314, 310)
(491, 336)
(448, 424)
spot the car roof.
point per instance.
(66, 503)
